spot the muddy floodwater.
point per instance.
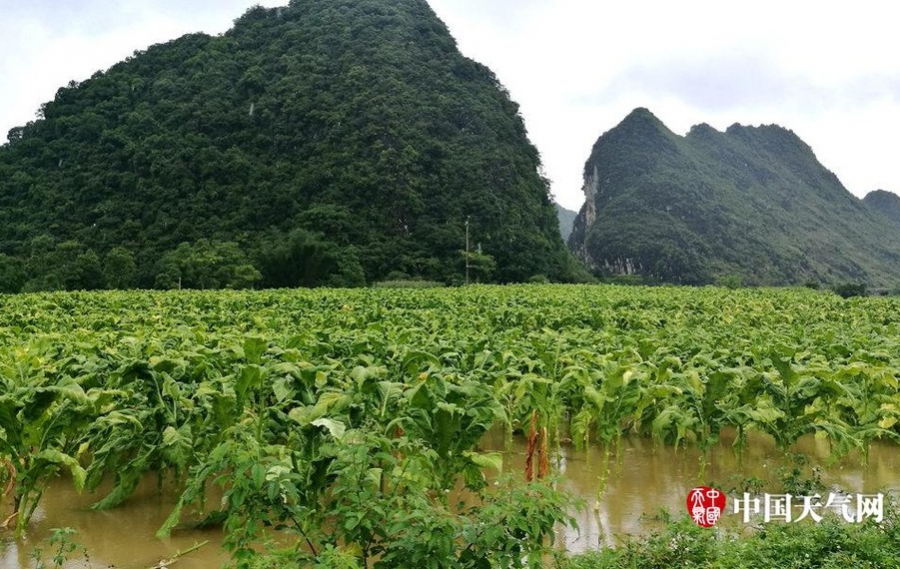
(648, 478)
(122, 537)
(645, 479)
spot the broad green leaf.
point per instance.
(492, 460)
(336, 428)
(254, 348)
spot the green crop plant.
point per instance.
(348, 420)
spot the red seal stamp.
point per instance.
(705, 505)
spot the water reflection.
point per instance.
(647, 478)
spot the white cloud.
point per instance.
(828, 71)
(46, 44)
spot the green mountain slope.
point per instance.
(886, 203)
(328, 142)
(751, 201)
(566, 219)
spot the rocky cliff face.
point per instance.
(751, 201)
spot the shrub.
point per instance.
(848, 290)
(729, 281)
(409, 283)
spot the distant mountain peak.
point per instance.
(887, 203)
(702, 128)
(639, 132)
(642, 118)
(882, 194)
(640, 113)
(753, 201)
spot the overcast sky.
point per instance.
(829, 71)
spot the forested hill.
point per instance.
(750, 203)
(327, 142)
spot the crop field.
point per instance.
(348, 419)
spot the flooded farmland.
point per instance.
(645, 479)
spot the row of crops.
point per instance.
(348, 419)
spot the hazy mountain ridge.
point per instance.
(751, 201)
(566, 219)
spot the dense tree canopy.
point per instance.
(355, 122)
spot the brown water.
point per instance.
(122, 537)
(648, 478)
(645, 479)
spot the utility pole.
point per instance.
(467, 250)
